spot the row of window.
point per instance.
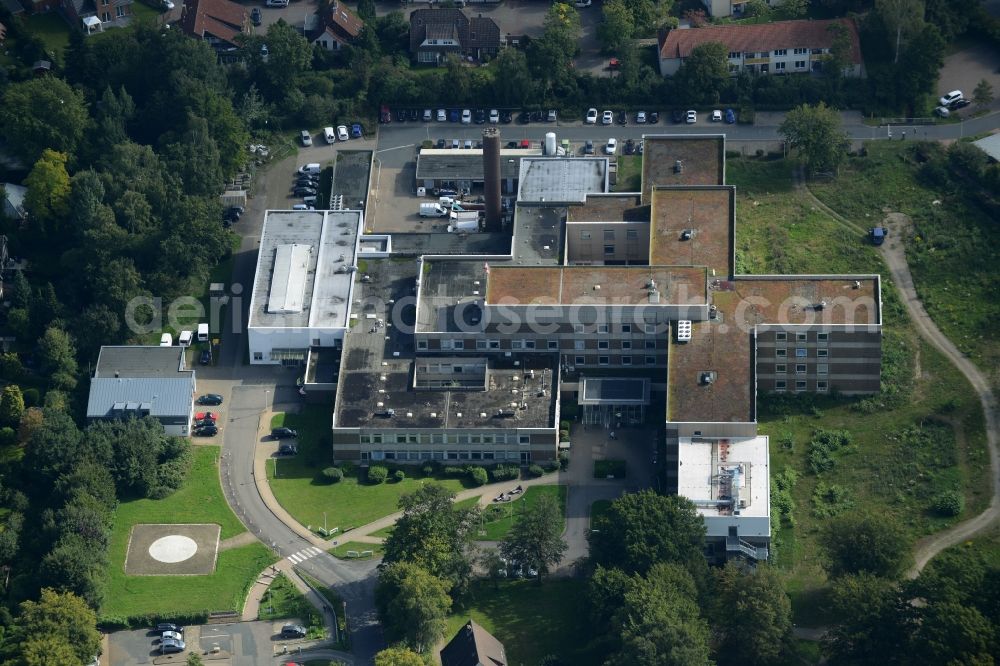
(782, 336)
(781, 385)
(778, 67)
(736, 55)
(802, 368)
(801, 352)
(522, 456)
(609, 235)
(623, 360)
(440, 438)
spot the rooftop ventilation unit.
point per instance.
(687, 234)
(707, 378)
(684, 330)
(678, 166)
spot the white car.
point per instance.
(607, 118)
(640, 118)
(442, 115)
(168, 5)
(612, 146)
(716, 116)
(582, 4)
(466, 116)
(591, 116)
(951, 98)
(342, 133)
(692, 117)
(494, 116)
(306, 139)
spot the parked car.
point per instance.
(622, 118)
(611, 146)
(506, 117)
(256, 16)
(717, 116)
(356, 131)
(639, 149)
(654, 117)
(283, 433)
(950, 98)
(942, 111)
(167, 626)
(480, 116)
(677, 116)
(454, 116)
(629, 147)
(177, 636)
(342, 133)
(428, 115)
(960, 104)
(440, 143)
(209, 399)
(455, 143)
(415, 115)
(537, 116)
(691, 117)
(293, 631)
(206, 357)
(640, 118)
(171, 646)
(730, 116)
(384, 115)
(206, 430)
(303, 191)
(306, 138)
(551, 116)
(468, 144)
(588, 147)
(288, 448)
(607, 118)
(168, 5)
(591, 118)
(466, 116)
(494, 116)
(206, 416)
(442, 115)
(401, 116)
(524, 117)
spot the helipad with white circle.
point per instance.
(158, 550)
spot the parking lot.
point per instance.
(235, 644)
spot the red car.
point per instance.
(205, 416)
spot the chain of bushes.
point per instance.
(474, 475)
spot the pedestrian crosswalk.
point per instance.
(304, 554)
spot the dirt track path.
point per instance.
(893, 251)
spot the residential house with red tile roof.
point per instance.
(217, 22)
(781, 47)
(337, 28)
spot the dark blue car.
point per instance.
(454, 116)
(730, 116)
(356, 130)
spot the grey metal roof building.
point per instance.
(561, 180)
(143, 381)
(467, 164)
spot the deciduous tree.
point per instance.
(875, 623)
(412, 604)
(618, 26)
(815, 132)
(902, 19)
(753, 616)
(47, 199)
(703, 74)
(398, 656)
(42, 113)
(11, 405)
(59, 628)
(983, 94)
(863, 542)
(58, 357)
(644, 528)
(535, 539)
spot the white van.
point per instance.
(329, 135)
(185, 338)
(432, 210)
(311, 168)
(202, 332)
(166, 340)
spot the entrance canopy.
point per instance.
(614, 391)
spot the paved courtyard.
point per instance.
(172, 550)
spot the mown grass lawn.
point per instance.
(52, 29)
(199, 500)
(303, 491)
(498, 518)
(531, 621)
(604, 469)
(283, 601)
(629, 177)
(904, 451)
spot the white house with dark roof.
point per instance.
(139, 381)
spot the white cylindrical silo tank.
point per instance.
(550, 143)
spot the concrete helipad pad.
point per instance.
(164, 550)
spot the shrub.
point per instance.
(551, 466)
(455, 471)
(8, 436)
(564, 435)
(377, 474)
(564, 425)
(536, 470)
(31, 397)
(505, 472)
(398, 475)
(949, 503)
(333, 474)
(479, 476)
(428, 470)
(564, 459)
(348, 468)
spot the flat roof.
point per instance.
(305, 269)
(800, 299)
(526, 394)
(702, 157)
(538, 235)
(417, 244)
(614, 391)
(467, 164)
(156, 396)
(140, 361)
(567, 285)
(728, 480)
(561, 179)
(446, 286)
(708, 212)
(715, 346)
(609, 208)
